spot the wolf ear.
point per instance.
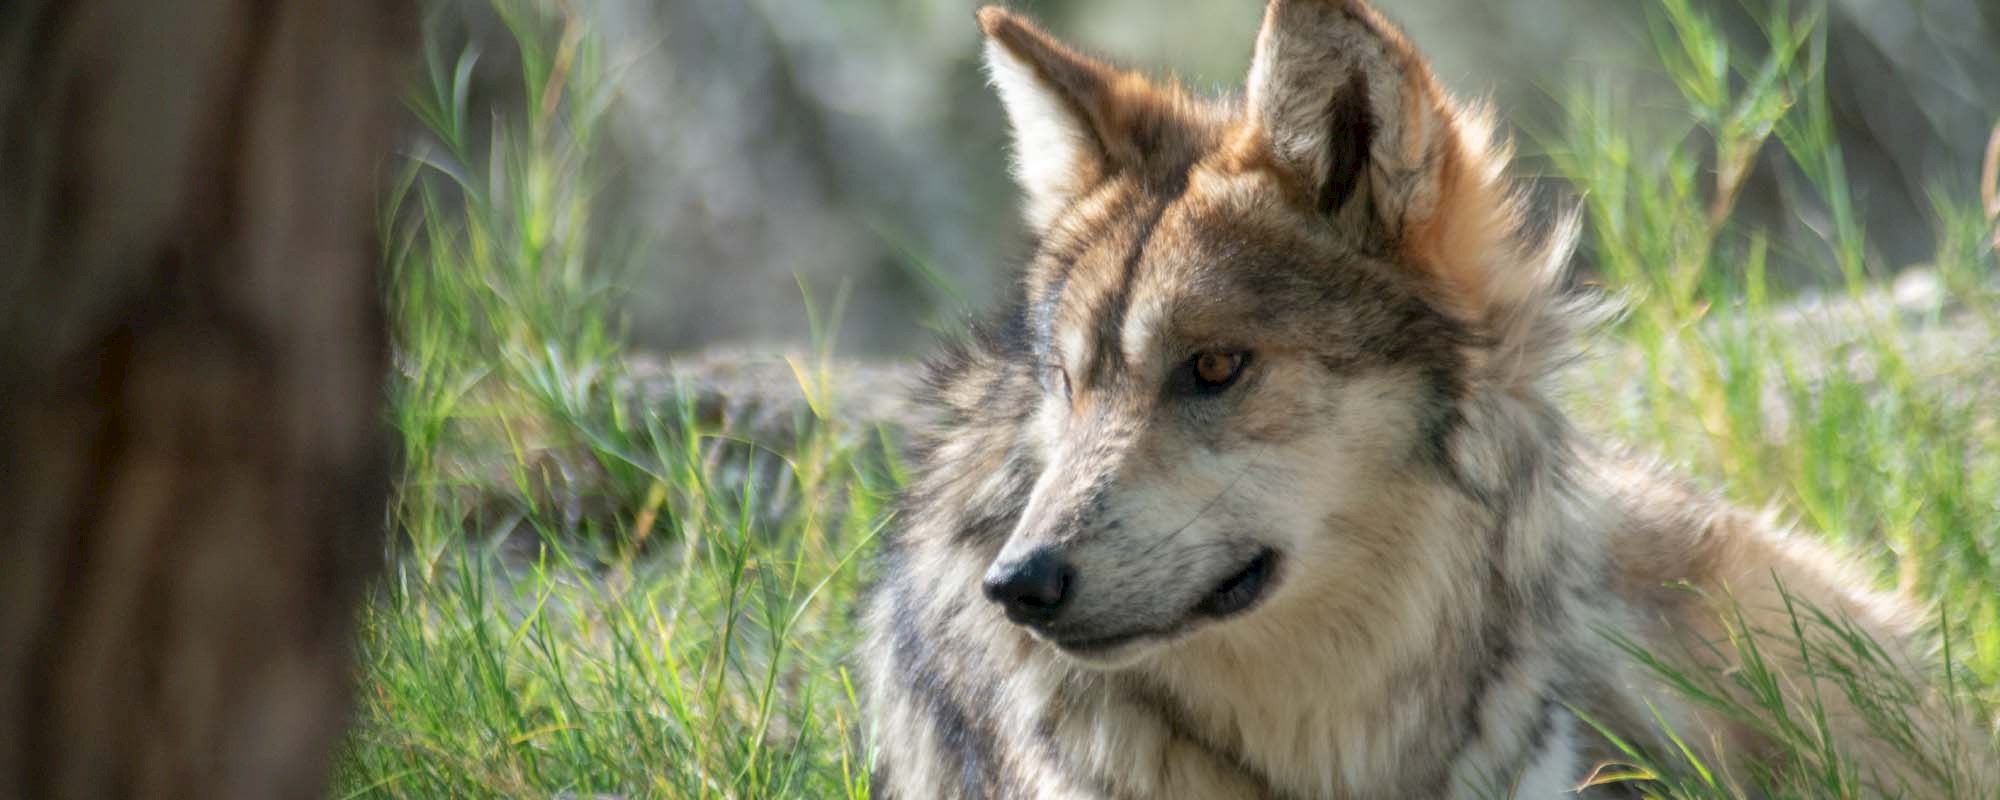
(1065, 109)
(1349, 114)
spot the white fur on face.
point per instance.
(1189, 516)
(1142, 328)
(1050, 143)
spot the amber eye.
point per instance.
(1215, 371)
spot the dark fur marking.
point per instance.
(1110, 355)
(1545, 726)
(992, 525)
(1497, 648)
(1511, 614)
(1442, 419)
(1007, 333)
(1065, 252)
(1041, 316)
(990, 362)
(959, 734)
(1350, 125)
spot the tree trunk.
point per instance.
(192, 455)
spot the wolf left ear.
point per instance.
(1076, 120)
(1349, 114)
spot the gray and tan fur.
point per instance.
(1372, 563)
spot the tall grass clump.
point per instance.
(1851, 412)
(592, 590)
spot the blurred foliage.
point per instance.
(854, 143)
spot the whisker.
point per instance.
(1216, 498)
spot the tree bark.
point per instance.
(193, 465)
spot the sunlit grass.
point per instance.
(598, 590)
(1870, 423)
(580, 601)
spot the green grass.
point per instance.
(586, 595)
(1860, 426)
(1874, 426)
(577, 603)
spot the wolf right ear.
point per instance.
(1075, 119)
(1349, 113)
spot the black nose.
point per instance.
(1033, 589)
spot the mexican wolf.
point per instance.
(1255, 489)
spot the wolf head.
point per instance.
(1257, 326)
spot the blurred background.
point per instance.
(751, 146)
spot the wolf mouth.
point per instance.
(1234, 595)
(1240, 591)
(1084, 646)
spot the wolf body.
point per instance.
(1255, 489)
